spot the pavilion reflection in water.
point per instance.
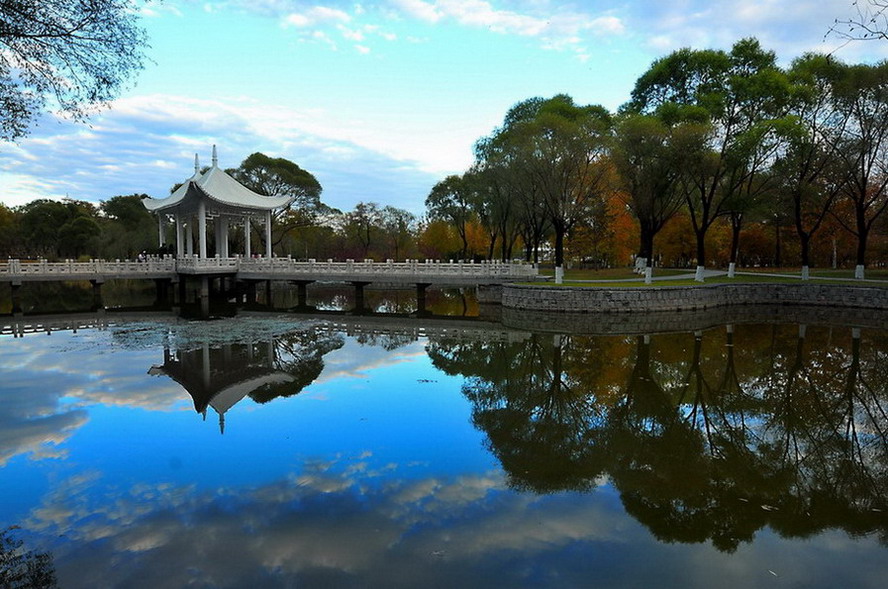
(220, 376)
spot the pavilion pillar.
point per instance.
(202, 228)
(224, 222)
(180, 239)
(217, 236)
(268, 234)
(189, 234)
(160, 230)
(247, 248)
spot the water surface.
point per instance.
(281, 450)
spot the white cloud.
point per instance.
(790, 29)
(558, 27)
(137, 146)
(420, 9)
(318, 15)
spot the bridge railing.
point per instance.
(370, 268)
(284, 267)
(197, 264)
(44, 269)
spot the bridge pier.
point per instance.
(421, 297)
(250, 296)
(162, 291)
(302, 292)
(16, 298)
(97, 295)
(359, 296)
(183, 289)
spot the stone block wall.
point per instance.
(689, 298)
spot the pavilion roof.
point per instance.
(217, 186)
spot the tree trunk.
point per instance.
(805, 244)
(701, 254)
(559, 255)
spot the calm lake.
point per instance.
(277, 449)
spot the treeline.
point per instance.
(718, 157)
(711, 146)
(122, 228)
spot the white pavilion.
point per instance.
(213, 196)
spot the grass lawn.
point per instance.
(610, 273)
(871, 273)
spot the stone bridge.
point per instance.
(243, 274)
(367, 271)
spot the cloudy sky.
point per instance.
(379, 99)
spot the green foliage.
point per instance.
(454, 200)
(70, 53)
(24, 569)
(281, 177)
(128, 211)
(10, 235)
(741, 94)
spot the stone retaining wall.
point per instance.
(689, 298)
(651, 322)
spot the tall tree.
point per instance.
(399, 227)
(738, 92)
(127, 227)
(504, 193)
(41, 222)
(362, 227)
(862, 96)
(71, 54)
(649, 157)
(810, 177)
(562, 146)
(9, 232)
(281, 177)
(451, 200)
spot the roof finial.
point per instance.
(215, 160)
(196, 165)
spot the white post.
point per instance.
(189, 244)
(202, 228)
(858, 272)
(247, 247)
(698, 276)
(268, 234)
(732, 267)
(806, 272)
(648, 275)
(559, 274)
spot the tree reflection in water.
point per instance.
(706, 436)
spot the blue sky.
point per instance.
(378, 99)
